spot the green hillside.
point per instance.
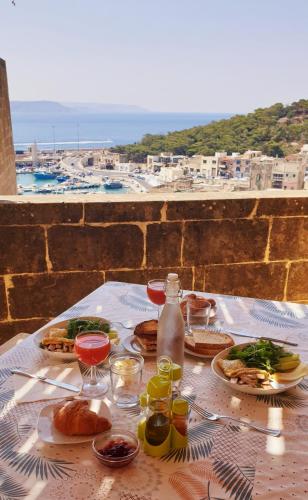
(273, 130)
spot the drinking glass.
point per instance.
(156, 293)
(198, 313)
(92, 348)
(126, 376)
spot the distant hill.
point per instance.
(73, 107)
(38, 107)
(97, 107)
(277, 130)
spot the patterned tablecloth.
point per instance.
(222, 460)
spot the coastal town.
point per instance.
(101, 170)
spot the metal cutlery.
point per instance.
(129, 325)
(63, 385)
(213, 416)
(252, 336)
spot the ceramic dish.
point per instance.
(115, 434)
(132, 345)
(49, 434)
(275, 388)
(196, 355)
(64, 356)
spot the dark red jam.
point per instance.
(117, 448)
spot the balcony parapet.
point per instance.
(54, 250)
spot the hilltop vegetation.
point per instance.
(273, 130)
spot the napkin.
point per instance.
(28, 390)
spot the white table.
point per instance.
(223, 461)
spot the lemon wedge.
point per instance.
(300, 371)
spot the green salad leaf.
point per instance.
(262, 354)
(76, 326)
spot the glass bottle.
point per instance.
(171, 328)
(157, 426)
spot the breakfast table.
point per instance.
(223, 460)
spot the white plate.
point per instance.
(49, 434)
(131, 345)
(196, 355)
(64, 356)
(275, 389)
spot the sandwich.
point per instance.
(207, 342)
(146, 335)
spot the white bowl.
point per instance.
(60, 356)
(276, 388)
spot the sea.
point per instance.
(93, 131)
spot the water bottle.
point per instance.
(170, 335)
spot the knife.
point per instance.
(252, 336)
(50, 381)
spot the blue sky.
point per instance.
(164, 55)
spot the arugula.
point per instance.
(262, 354)
(76, 326)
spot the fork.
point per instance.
(213, 416)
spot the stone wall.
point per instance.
(7, 154)
(54, 253)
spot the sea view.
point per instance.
(68, 130)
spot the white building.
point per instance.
(206, 166)
(170, 174)
(288, 174)
(163, 159)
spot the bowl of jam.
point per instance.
(116, 447)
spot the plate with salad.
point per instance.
(261, 367)
(57, 340)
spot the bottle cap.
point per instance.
(180, 407)
(143, 400)
(172, 277)
(158, 387)
(176, 372)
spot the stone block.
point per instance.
(164, 242)
(199, 279)
(22, 249)
(40, 213)
(3, 304)
(297, 287)
(89, 248)
(282, 206)
(47, 295)
(142, 211)
(264, 281)
(289, 239)
(9, 329)
(222, 242)
(143, 276)
(209, 209)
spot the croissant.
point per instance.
(73, 418)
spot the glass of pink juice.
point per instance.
(92, 348)
(156, 293)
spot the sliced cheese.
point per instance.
(300, 371)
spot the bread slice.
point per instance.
(147, 329)
(208, 343)
(57, 340)
(211, 340)
(230, 366)
(147, 344)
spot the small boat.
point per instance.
(113, 185)
(62, 178)
(43, 174)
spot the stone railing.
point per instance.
(54, 251)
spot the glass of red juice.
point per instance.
(92, 348)
(156, 293)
